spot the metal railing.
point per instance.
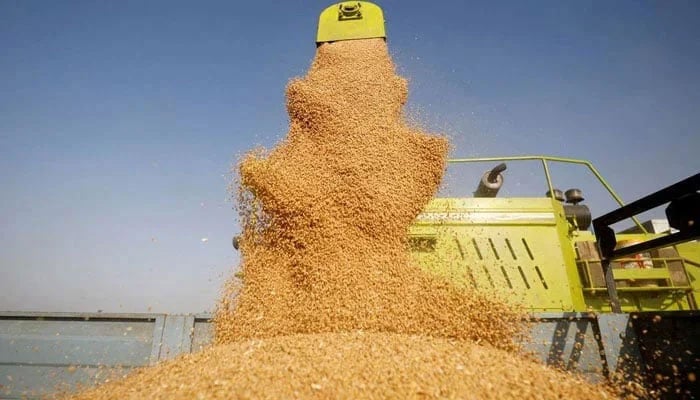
(637, 274)
(545, 166)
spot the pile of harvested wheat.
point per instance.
(331, 305)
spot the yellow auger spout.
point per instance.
(350, 20)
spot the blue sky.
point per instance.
(119, 121)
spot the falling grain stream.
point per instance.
(330, 304)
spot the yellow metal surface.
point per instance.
(350, 20)
(545, 160)
(641, 274)
(639, 289)
(690, 252)
(510, 247)
(524, 249)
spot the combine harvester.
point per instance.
(598, 308)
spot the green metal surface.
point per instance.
(526, 250)
(512, 247)
(639, 289)
(544, 160)
(690, 253)
(350, 20)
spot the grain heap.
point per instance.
(349, 366)
(328, 251)
(331, 306)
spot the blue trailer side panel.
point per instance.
(46, 353)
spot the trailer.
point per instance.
(45, 354)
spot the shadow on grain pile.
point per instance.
(331, 305)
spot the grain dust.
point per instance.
(349, 366)
(331, 305)
(325, 247)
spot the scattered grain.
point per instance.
(331, 305)
(349, 366)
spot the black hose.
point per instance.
(497, 170)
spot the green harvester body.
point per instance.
(527, 250)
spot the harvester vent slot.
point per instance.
(539, 273)
(510, 247)
(505, 274)
(459, 248)
(493, 247)
(488, 275)
(522, 274)
(527, 248)
(476, 247)
(471, 277)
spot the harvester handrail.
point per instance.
(544, 160)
